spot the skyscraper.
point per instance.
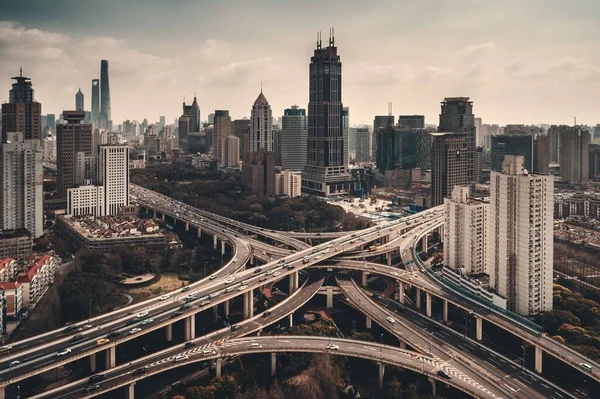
(21, 197)
(22, 113)
(195, 116)
(363, 145)
(457, 116)
(230, 152)
(541, 155)
(79, 105)
(448, 164)
(184, 132)
(113, 175)
(95, 102)
(73, 145)
(574, 154)
(222, 129)
(414, 121)
(405, 148)
(294, 132)
(105, 94)
(326, 173)
(379, 122)
(346, 133)
(261, 125)
(520, 231)
(240, 128)
(512, 144)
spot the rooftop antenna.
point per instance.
(319, 39)
(331, 37)
(575, 121)
(261, 86)
(21, 72)
(390, 108)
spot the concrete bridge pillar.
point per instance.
(418, 299)
(199, 231)
(218, 367)
(478, 328)
(215, 239)
(273, 364)
(433, 390)
(368, 323)
(251, 261)
(293, 282)
(402, 345)
(215, 310)
(381, 374)
(2, 392)
(424, 243)
(445, 311)
(291, 319)
(131, 391)
(169, 332)
(401, 292)
(93, 363)
(329, 297)
(187, 227)
(222, 247)
(174, 222)
(428, 304)
(538, 359)
(110, 357)
(364, 276)
(248, 305)
(226, 306)
(190, 327)
(388, 258)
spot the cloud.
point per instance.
(477, 48)
(377, 75)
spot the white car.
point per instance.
(229, 289)
(395, 274)
(391, 320)
(325, 251)
(276, 274)
(242, 287)
(134, 330)
(269, 272)
(142, 314)
(63, 352)
(164, 297)
(212, 277)
(333, 346)
(180, 358)
(229, 280)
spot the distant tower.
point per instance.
(195, 117)
(261, 125)
(95, 101)
(104, 92)
(79, 101)
(457, 117)
(22, 113)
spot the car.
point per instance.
(235, 327)
(91, 388)
(586, 367)
(63, 352)
(96, 378)
(175, 314)
(325, 251)
(147, 321)
(260, 280)
(443, 374)
(102, 341)
(142, 314)
(113, 334)
(209, 352)
(5, 348)
(306, 259)
(191, 297)
(242, 287)
(255, 345)
(375, 295)
(391, 320)
(204, 303)
(189, 344)
(333, 346)
(229, 289)
(276, 274)
(212, 276)
(257, 270)
(184, 307)
(14, 363)
(267, 313)
(395, 274)
(185, 289)
(164, 297)
(134, 330)
(269, 272)
(70, 328)
(214, 294)
(353, 235)
(140, 371)
(180, 358)
(76, 338)
(229, 280)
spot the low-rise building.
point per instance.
(288, 183)
(36, 279)
(12, 293)
(15, 244)
(7, 269)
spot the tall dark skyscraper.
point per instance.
(22, 113)
(414, 121)
(448, 164)
(325, 173)
(95, 101)
(73, 145)
(104, 92)
(512, 144)
(79, 105)
(457, 117)
(379, 122)
(195, 116)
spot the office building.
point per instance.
(194, 116)
(512, 144)
(326, 172)
(211, 119)
(412, 121)
(352, 143)
(21, 197)
(184, 132)
(457, 117)
(294, 133)
(346, 127)
(479, 139)
(221, 130)
(465, 235)
(363, 145)
(380, 122)
(240, 128)
(261, 125)
(594, 157)
(73, 145)
(541, 155)
(96, 103)
(22, 113)
(288, 183)
(574, 154)
(520, 231)
(554, 142)
(258, 172)
(403, 148)
(105, 96)
(79, 104)
(276, 132)
(449, 161)
(230, 152)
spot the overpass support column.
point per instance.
(215, 310)
(364, 276)
(418, 299)
(401, 292)
(190, 327)
(329, 297)
(402, 345)
(218, 368)
(388, 258)
(538, 359)
(110, 358)
(222, 247)
(226, 306)
(428, 304)
(293, 282)
(251, 261)
(199, 231)
(433, 390)
(479, 328)
(131, 391)
(368, 323)
(2, 392)
(169, 332)
(445, 311)
(215, 239)
(291, 317)
(273, 364)
(381, 373)
(187, 227)
(93, 363)
(248, 305)
(424, 243)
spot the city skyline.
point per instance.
(551, 77)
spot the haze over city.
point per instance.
(520, 62)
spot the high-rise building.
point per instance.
(230, 152)
(574, 154)
(96, 103)
(448, 164)
(465, 235)
(195, 117)
(479, 139)
(405, 148)
(520, 232)
(512, 144)
(162, 121)
(594, 156)
(105, 95)
(541, 156)
(352, 142)
(258, 172)
(113, 174)
(240, 128)
(261, 125)
(554, 142)
(457, 117)
(346, 133)
(73, 145)
(276, 132)
(379, 122)
(211, 119)
(22, 113)
(294, 132)
(51, 121)
(222, 129)
(326, 172)
(184, 132)
(21, 197)
(79, 104)
(363, 145)
(413, 121)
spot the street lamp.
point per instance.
(524, 347)
(91, 299)
(381, 348)
(145, 351)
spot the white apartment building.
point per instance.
(230, 152)
(85, 200)
(520, 231)
(465, 236)
(36, 279)
(288, 183)
(21, 180)
(113, 174)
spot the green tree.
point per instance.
(394, 390)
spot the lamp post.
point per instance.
(91, 299)
(381, 348)
(524, 347)
(145, 351)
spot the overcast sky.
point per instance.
(520, 61)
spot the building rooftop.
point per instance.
(9, 285)
(107, 227)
